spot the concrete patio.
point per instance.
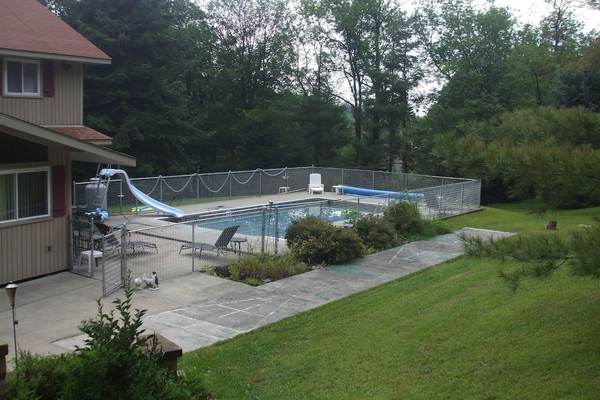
(197, 310)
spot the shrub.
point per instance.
(304, 228)
(376, 232)
(112, 365)
(586, 246)
(255, 268)
(432, 228)
(405, 218)
(38, 377)
(319, 242)
(346, 245)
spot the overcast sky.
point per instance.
(526, 11)
(532, 11)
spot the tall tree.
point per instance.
(254, 46)
(469, 49)
(560, 29)
(139, 98)
(344, 25)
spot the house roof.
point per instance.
(28, 28)
(80, 150)
(82, 133)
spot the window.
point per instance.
(24, 194)
(21, 78)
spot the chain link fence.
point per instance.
(444, 194)
(181, 248)
(197, 243)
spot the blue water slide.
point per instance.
(142, 197)
(410, 196)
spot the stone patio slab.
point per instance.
(198, 310)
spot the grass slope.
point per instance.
(454, 331)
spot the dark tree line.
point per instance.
(267, 83)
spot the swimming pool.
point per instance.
(251, 223)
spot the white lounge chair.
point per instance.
(315, 185)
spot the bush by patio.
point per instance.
(376, 232)
(256, 268)
(319, 242)
(405, 218)
(112, 365)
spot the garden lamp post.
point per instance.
(11, 292)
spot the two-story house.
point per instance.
(42, 62)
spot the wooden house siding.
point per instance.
(37, 247)
(64, 108)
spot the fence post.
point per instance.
(229, 176)
(121, 197)
(197, 186)
(262, 230)
(441, 197)
(124, 240)
(260, 182)
(160, 183)
(276, 228)
(342, 176)
(462, 195)
(193, 252)
(103, 270)
(373, 180)
(91, 257)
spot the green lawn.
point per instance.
(454, 331)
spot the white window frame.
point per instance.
(16, 172)
(5, 77)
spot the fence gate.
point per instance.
(113, 261)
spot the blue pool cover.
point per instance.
(411, 196)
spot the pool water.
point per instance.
(251, 224)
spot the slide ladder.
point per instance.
(141, 196)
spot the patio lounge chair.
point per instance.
(314, 184)
(141, 245)
(219, 247)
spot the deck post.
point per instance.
(74, 196)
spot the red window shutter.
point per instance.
(48, 78)
(59, 194)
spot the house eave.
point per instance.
(91, 152)
(56, 57)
